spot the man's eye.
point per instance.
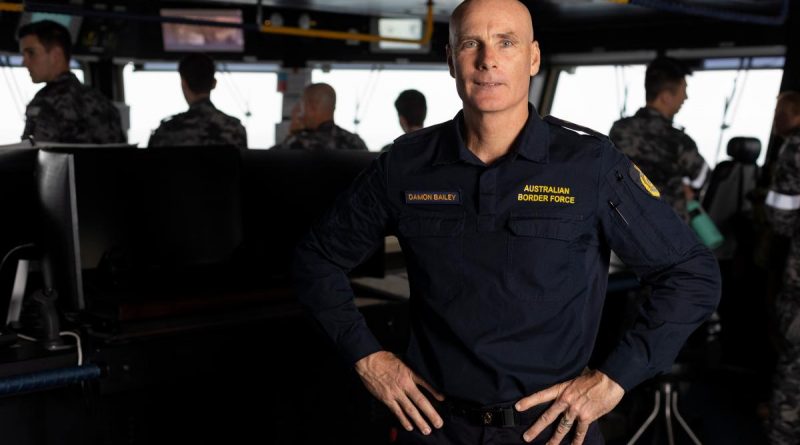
(507, 43)
(469, 44)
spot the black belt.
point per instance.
(497, 416)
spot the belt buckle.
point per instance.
(500, 417)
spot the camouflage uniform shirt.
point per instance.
(665, 154)
(203, 124)
(65, 110)
(328, 136)
(783, 209)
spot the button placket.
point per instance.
(487, 200)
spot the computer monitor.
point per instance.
(182, 37)
(139, 225)
(56, 188)
(19, 223)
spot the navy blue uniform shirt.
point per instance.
(508, 263)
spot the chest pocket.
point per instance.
(433, 247)
(542, 256)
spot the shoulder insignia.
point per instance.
(575, 127)
(639, 178)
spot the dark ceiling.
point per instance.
(130, 28)
(442, 8)
(730, 9)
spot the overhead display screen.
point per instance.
(184, 37)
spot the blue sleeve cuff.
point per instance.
(626, 369)
(358, 343)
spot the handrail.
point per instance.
(265, 28)
(11, 7)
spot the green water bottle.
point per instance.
(703, 226)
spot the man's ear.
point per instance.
(213, 83)
(450, 63)
(536, 58)
(56, 55)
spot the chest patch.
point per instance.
(551, 194)
(432, 197)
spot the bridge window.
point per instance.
(365, 99)
(16, 90)
(247, 92)
(596, 96)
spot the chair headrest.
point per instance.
(744, 149)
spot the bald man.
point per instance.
(506, 221)
(312, 123)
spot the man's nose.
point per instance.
(487, 58)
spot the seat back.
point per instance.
(730, 183)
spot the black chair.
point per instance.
(726, 199)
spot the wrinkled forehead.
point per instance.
(496, 16)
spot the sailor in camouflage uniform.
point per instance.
(783, 208)
(203, 124)
(64, 110)
(312, 123)
(667, 155)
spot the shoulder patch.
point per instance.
(639, 178)
(574, 127)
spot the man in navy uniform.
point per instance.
(506, 221)
(203, 123)
(65, 110)
(783, 208)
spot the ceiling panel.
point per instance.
(442, 8)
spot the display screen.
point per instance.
(402, 28)
(184, 37)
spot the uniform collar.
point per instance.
(532, 143)
(64, 77)
(651, 113)
(326, 127)
(202, 102)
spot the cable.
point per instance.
(238, 98)
(621, 81)
(27, 337)
(8, 255)
(77, 344)
(366, 98)
(727, 107)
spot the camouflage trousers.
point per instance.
(785, 404)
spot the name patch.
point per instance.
(432, 197)
(554, 194)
